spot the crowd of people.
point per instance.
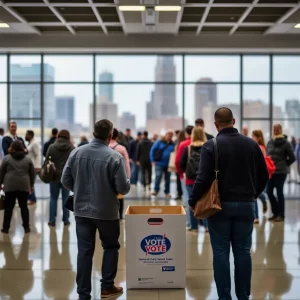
(100, 174)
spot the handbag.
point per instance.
(2, 199)
(270, 165)
(172, 166)
(48, 171)
(70, 203)
(158, 155)
(210, 204)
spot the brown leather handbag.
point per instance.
(210, 204)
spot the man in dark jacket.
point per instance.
(135, 169)
(50, 142)
(242, 177)
(143, 160)
(200, 123)
(10, 137)
(282, 154)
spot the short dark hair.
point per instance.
(128, 129)
(102, 129)
(199, 121)
(54, 131)
(65, 134)
(145, 133)
(224, 116)
(1, 131)
(115, 134)
(189, 129)
(16, 146)
(30, 132)
(177, 131)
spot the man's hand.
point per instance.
(37, 170)
(154, 164)
(130, 160)
(138, 163)
(192, 208)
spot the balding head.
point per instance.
(277, 129)
(224, 118)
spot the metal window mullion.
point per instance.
(183, 91)
(271, 95)
(241, 90)
(8, 89)
(42, 110)
(94, 89)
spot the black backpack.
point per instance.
(193, 162)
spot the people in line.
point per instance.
(128, 138)
(1, 150)
(282, 154)
(155, 137)
(122, 150)
(258, 137)
(135, 169)
(181, 147)
(34, 152)
(58, 153)
(180, 137)
(17, 176)
(245, 130)
(160, 156)
(97, 174)
(200, 123)
(242, 176)
(144, 162)
(10, 137)
(83, 141)
(189, 163)
(52, 140)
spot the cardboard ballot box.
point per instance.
(155, 247)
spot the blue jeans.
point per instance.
(186, 202)
(55, 188)
(135, 170)
(232, 226)
(159, 172)
(109, 232)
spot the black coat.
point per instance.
(7, 141)
(143, 152)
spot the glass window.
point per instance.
(25, 100)
(3, 105)
(256, 100)
(156, 107)
(286, 68)
(68, 68)
(262, 125)
(25, 68)
(69, 106)
(212, 67)
(3, 68)
(286, 101)
(202, 100)
(138, 68)
(256, 68)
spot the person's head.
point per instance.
(198, 135)
(177, 132)
(1, 131)
(155, 137)
(245, 130)
(188, 131)
(293, 140)
(128, 132)
(145, 134)
(103, 130)
(16, 147)
(258, 137)
(181, 137)
(139, 136)
(83, 138)
(29, 135)
(13, 128)
(169, 136)
(64, 134)
(224, 118)
(277, 129)
(115, 135)
(54, 132)
(200, 123)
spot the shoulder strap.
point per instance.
(216, 157)
(189, 151)
(115, 146)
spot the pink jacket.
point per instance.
(122, 150)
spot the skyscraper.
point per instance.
(205, 95)
(165, 94)
(127, 120)
(65, 110)
(106, 92)
(26, 98)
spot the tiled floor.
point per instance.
(42, 265)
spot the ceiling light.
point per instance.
(4, 25)
(167, 8)
(297, 26)
(132, 8)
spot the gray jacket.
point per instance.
(282, 154)
(96, 174)
(17, 173)
(59, 152)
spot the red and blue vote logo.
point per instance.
(156, 244)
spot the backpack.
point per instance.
(193, 162)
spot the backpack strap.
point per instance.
(115, 146)
(189, 152)
(216, 157)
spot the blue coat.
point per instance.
(164, 162)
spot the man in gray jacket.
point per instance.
(96, 174)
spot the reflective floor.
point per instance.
(42, 265)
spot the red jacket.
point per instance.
(179, 153)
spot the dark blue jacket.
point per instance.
(166, 154)
(243, 174)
